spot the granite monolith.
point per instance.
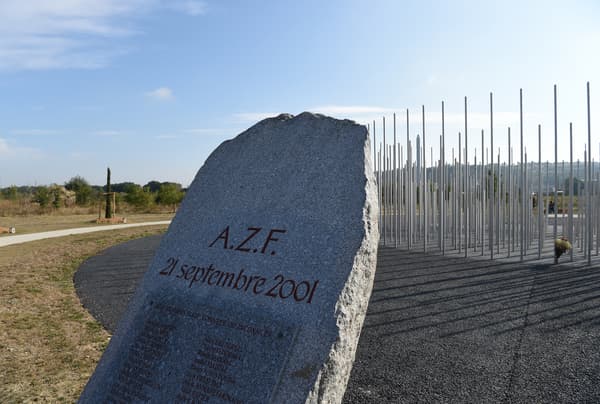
(259, 288)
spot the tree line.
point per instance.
(79, 192)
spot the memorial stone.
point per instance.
(259, 288)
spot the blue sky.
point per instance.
(151, 87)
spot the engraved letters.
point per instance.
(277, 286)
(248, 244)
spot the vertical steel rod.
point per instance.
(555, 234)
(483, 193)
(522, 216)
(467, 192)
(424, 189)
(409, 212)
(571, 190)
(395, 189)
(588, 186)
(459, 192)
(492, 190)
(510, 212)
(497, 201)
(539, 193)
(443, 180)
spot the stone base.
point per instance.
(10, 230)
(112, 220)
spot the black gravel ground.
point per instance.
(106, 282)
(438, 329)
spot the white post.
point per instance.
(522, 216)
(571, 190)
(555, 169)
(459, 192)
(483, 193)
(511, 195)
(424, 189)
(492, 196)
(588, 187)
(395, 189)
(467, 199)
(498, 193)
(539, 194)
(443, 181)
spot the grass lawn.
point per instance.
(38, 223)
(49, 344)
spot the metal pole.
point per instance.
(571, 189)
(491, 198)
(432, 205)
(402, 198)
(526, 206)
(476, 197)
(586, 207)
(547, 213)
(385, 190)
(398, 193)
(375, 164)
(440, 196)
(409, 182)
(539, 193)
(454, 212)
(424, 190)
(498, 206)
(510, 190)
(395, 189)
(467, 190)
(589, 187)
(503, 200)
(483, 193)
(409, 195)
(443, 181)
(522, 216)
(555, 234)
(459, 192)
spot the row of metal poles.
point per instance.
(486, 204)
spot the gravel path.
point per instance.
(438, 329)
(24, 238)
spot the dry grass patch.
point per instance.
(34, 224)
(49, 344)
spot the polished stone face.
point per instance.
(259, 289)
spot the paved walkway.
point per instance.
(438, 329)
(24, 238)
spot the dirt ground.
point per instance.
(39, 223)
(49, 344)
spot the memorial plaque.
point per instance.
(259, 288)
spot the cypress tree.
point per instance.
(108, 213)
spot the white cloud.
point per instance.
(18, 153)
(351, 110)
(34, 132)
(77, 155)
(52, 34)
(161, 94)
(358, 113)
(204, 131)
(190, 7)
(3, 147)
(366, 114)
(108, 133)
(245, 117)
